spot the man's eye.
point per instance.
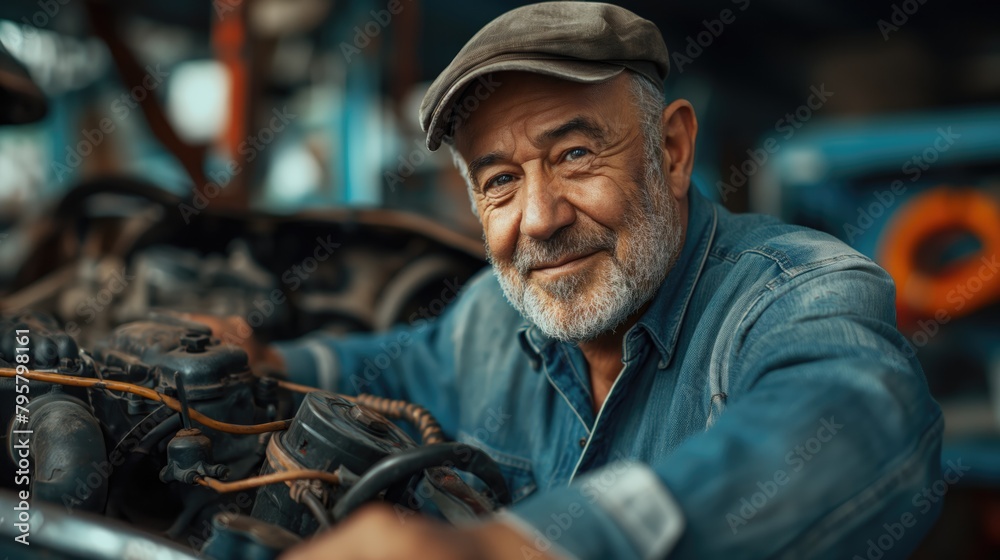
(499, 181)
(575, 153)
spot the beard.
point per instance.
(585, 304)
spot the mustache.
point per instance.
(574, 240)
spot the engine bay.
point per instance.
(131, 431)
(165, 429)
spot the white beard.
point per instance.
(584, 305)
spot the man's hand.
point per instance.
(377, 533)
(235, 330)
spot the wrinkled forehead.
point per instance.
(522, 106)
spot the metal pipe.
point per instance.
(147, 393)
(67, 447)
(254, 482)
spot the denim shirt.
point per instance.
(767, 405)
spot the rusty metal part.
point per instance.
(104, 21)
(234, 48)
(451, 484)
(280, 461)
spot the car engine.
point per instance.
(162, 441)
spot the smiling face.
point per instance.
(580, 219)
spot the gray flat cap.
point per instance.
(585, 42)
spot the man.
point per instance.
(656, 376)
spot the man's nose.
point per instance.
(546, 208)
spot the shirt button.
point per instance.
(583, 442)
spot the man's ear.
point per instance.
(679, 127)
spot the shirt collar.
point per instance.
(663, 318)
(666, 313)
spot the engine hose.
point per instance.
(67, 442)
(149, 441)
(317, 510)
(137, 429)
(132, 457)
(430, 431)
(146, 393)
(399, 467)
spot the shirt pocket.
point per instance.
(517, 471)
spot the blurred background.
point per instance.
(199, 155)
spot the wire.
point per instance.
(150, 394)
(138, 427)
(295, 387)
(317, 510)
(263, 480)
(430, 430)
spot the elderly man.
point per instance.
(656, 376)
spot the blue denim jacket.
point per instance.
(767, 406)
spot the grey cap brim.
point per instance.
(443, 120)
